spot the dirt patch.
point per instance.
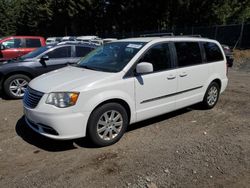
(187, 148)
(242, 59)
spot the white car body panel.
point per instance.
(151, 91)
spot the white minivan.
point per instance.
(124, 82)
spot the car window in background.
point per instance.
(61, 52)
(159, 56)
(213, 52)
(111, 57)
(35, 53)
(82, 51)
(33, 43)
(188, 53)
(13, 43)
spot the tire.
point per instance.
(211, 96)
(110, 129)
(15, 85)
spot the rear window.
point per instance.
(213, 52)
(188, 53)
(33, 43)
(82, 51)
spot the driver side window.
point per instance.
(159, 56)
(62, 52)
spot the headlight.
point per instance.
(62, 99)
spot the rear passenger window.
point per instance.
(61, 52)
(82, 51)
(213, 52)
(159, 56)
(33, 43)
(188, 53)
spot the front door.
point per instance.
(155, 91)
(58, 58)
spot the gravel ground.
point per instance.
(187, 148)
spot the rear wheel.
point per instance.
(212, 95)
(15, 85)
(107, 124)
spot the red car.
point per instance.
(16, 46)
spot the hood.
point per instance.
(2, 62)
(68, 79)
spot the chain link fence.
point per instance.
(235, 36)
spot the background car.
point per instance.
(17, 46)
(93, 39)
(68, 38)
(229, 55)
(15, 74)
(53, 40)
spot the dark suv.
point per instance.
(15, 74)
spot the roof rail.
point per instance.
(192, 35)
(168, 35)
(156, 34)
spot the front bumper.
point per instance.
(57, 125)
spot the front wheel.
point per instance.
(15, 85)
(212, 95)
(107, 124)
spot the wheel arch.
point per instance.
(214, 78)
(218, 81)
(6, 76)
(115, 100)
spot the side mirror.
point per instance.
(2, 47)
(44, 58)
(144, 67)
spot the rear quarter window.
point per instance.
(213, 52)
(33, 43)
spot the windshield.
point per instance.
(111, 57)
(36, 52)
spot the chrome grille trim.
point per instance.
(32, 97)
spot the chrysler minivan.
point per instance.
(124, 82)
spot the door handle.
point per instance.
(183, 74)
(171, 77)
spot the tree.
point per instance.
(114, 17)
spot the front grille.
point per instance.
(31, 97)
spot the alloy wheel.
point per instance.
(17, 87)
(212, 96)
(109, 125)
